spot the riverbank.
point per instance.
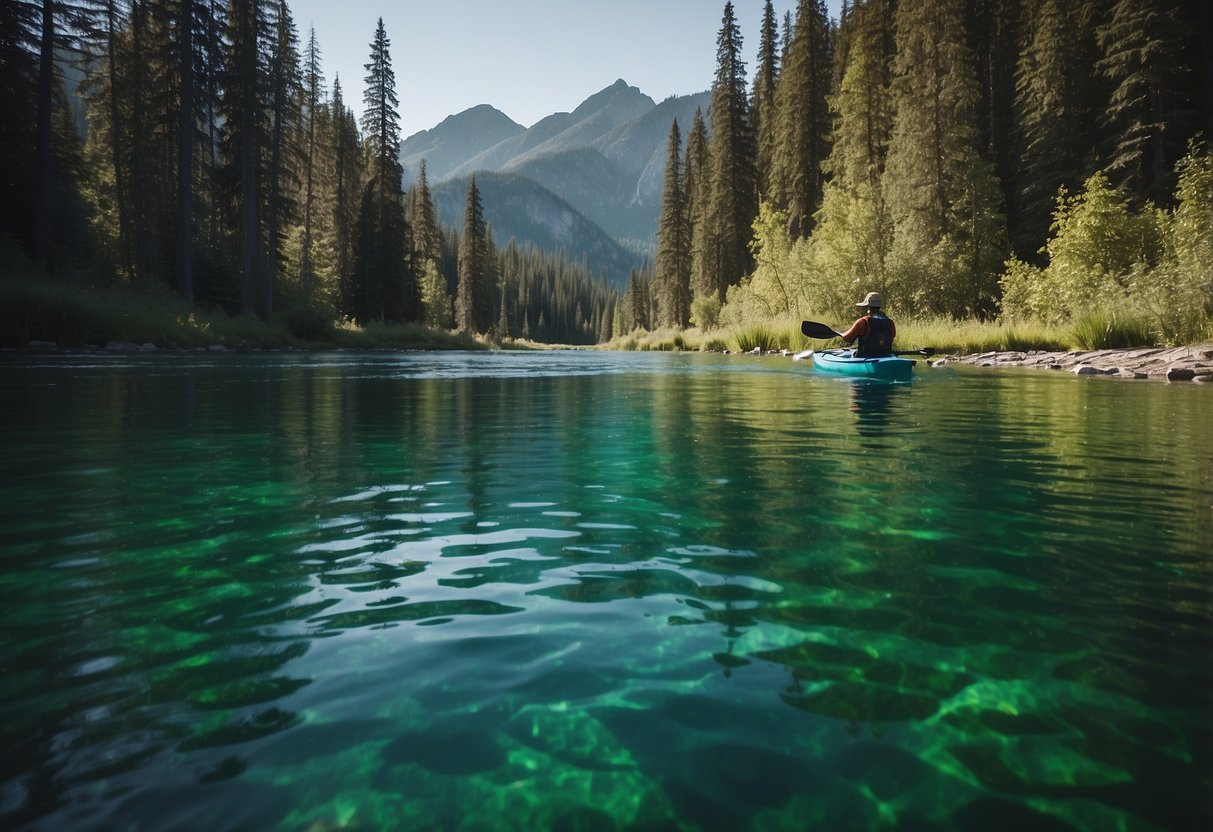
(1191, 363)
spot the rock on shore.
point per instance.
(1194, 363)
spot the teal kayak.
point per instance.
(886, 368)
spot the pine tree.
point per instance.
(347, 182)
(243, 140)
(470, 304)
(672, 266)
(284, 111)
(42, 159)
(107, 90)
(423, 218)
(390, 289)
(949, 229)
(20, 34)
(1143, 125)
(312, 113)
(733, 203)
(696, 172)
(804, 119)
(854, 231)
(186, 128)
(1053, 114)
(863, 106)
(994, 28)
(763, 100)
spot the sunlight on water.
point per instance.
(600, 591)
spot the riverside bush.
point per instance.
(1121, 277)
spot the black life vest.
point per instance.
(879, 340)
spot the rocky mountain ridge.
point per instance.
(604, 161)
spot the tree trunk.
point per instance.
(117, 132)
(185, 158)
(249, 225)
(46, 86)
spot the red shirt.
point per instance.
(860, 328)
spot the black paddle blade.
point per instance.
(812, 329)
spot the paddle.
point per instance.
(812, 329)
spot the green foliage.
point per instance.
(74, 314)
(847, 253)
(705, 312)
(1097, 245)
(438, 311)
(774, 288)
(1125, 277)
(308, 322)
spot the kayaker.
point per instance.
(874, 330)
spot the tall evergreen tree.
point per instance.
(312, 114)
(284, 110)
(390, 289)
(1143, 125)
(862, 106)
(20, 34)
(243, 141)
(763, 100)
(734, 188)
(804, 118)
(347, 183)
(672, 266)
(1053, 115)
(186, 128)
(423, 218)
(945, 203)
(42, 159)
(994, 28)
(473, 306)
(696, 173)
(853, 235)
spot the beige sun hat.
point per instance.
(872, 299)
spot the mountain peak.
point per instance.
(455, 139)
(620, 96)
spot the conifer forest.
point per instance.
(996, 159)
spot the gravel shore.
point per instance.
(1193, 363)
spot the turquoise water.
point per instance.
(595, 591)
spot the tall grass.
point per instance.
(944, 335)
(755, 337)
(1102, 329)
(970, 336)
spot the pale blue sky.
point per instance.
(529, 58)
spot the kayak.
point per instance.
(886, 367)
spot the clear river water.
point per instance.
(599, 591)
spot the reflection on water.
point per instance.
(586, 590)
(874, 403)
